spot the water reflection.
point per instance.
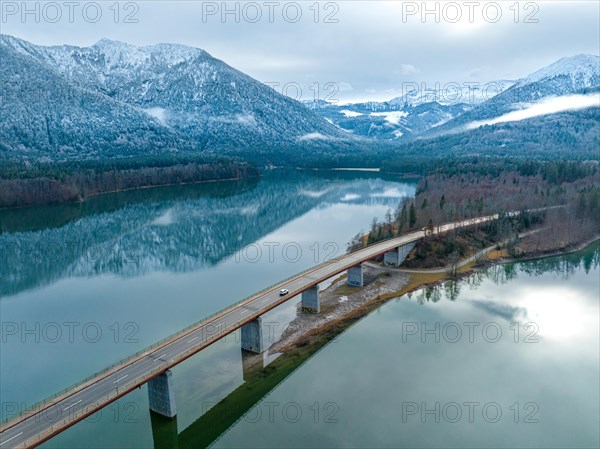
(504, 311)
(175, 229)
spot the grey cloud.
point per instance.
(369, 48)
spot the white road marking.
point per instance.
(195, 338)
(11, 438)
(120, 378)
(72, 405)
(160, 357)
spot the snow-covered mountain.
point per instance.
(409, 115)
(578, 74)
(118, 99)
(427, 112)
(114, 99)
(572, 73)
(388, 121)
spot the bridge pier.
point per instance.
(311, 300)
(162, 395)
(252, 336)
(397, 256)
(356, 276)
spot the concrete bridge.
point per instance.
(152, 366)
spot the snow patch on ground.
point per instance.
(249, 210)
(242, 119)
(158, 113)
(314, 136)
(392, 117)
(350, 197)
(314, 193)
(348, 113)
(246, 119)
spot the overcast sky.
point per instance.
(369, 49)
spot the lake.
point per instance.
(507, 357)
(85, 285)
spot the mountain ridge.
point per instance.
(113, 99)
(433, 112)
(206, 104)
(566, 76)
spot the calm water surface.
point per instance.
(83, 286)
(507, 358)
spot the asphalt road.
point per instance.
(72, 407)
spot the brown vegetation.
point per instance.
(568, 213)
(77, 185)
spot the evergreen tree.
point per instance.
(402, 218)
(412, 219)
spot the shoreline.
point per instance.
(553, 253)
(131, 189)
(310, 332)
